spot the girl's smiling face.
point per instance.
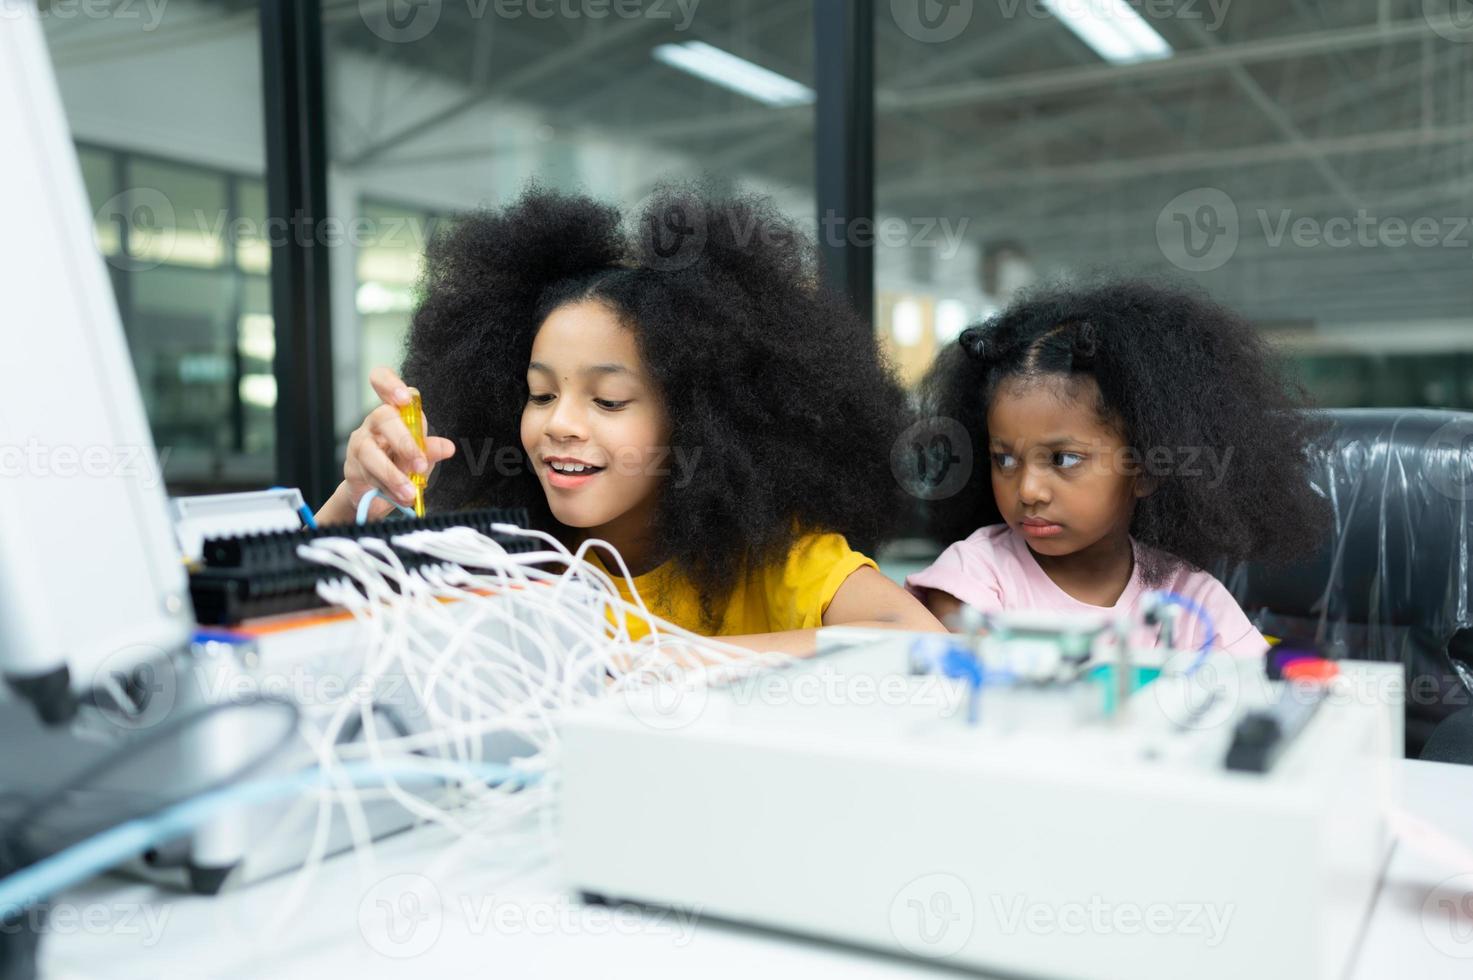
(1057, 472)
(595, 427)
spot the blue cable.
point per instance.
(963, 664)
(368, 499)
(304, 512)
(1209, 630)
(958, 662)
(128, 839)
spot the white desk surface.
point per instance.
(476, 921)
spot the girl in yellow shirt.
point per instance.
(685, 392)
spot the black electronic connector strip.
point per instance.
(277, 550)
(253, 575)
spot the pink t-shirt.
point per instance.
(994, 570)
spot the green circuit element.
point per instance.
(1103, 675)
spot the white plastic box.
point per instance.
(1035, 843)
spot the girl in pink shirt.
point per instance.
(1127, 435)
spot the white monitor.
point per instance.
(90, 580)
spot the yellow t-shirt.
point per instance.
(787, 595)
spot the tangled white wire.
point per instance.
(494, 648)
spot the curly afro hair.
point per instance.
(779, 385)
(1174, 369)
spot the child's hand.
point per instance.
(381, 455)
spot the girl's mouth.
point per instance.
(568, 475)
(1036, 528)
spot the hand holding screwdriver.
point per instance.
(384, 455)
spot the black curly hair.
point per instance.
(1174, 369)
(779, 384)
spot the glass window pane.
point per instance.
(455, 106)
(101, 180)
(165, 104)
(183, 354)
(189, 228)
(256, 347)
(1308, 164)
(252, 245)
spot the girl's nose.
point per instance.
(1033, 487)
(566, 422)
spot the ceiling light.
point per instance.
(1115, 31)
(738, 74)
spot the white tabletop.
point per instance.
(1422, 925)
(408, 914)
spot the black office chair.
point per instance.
(1395, 580)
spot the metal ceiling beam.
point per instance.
(1083, 79)
(561, 60)
(108, 46)
(1181, 64)
(1110, 171)
(1291, 132)
(1037, 131)
(1084, 209)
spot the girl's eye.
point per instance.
(1067, 460)
(1003, 460)
(604, 403)
(539, 399)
